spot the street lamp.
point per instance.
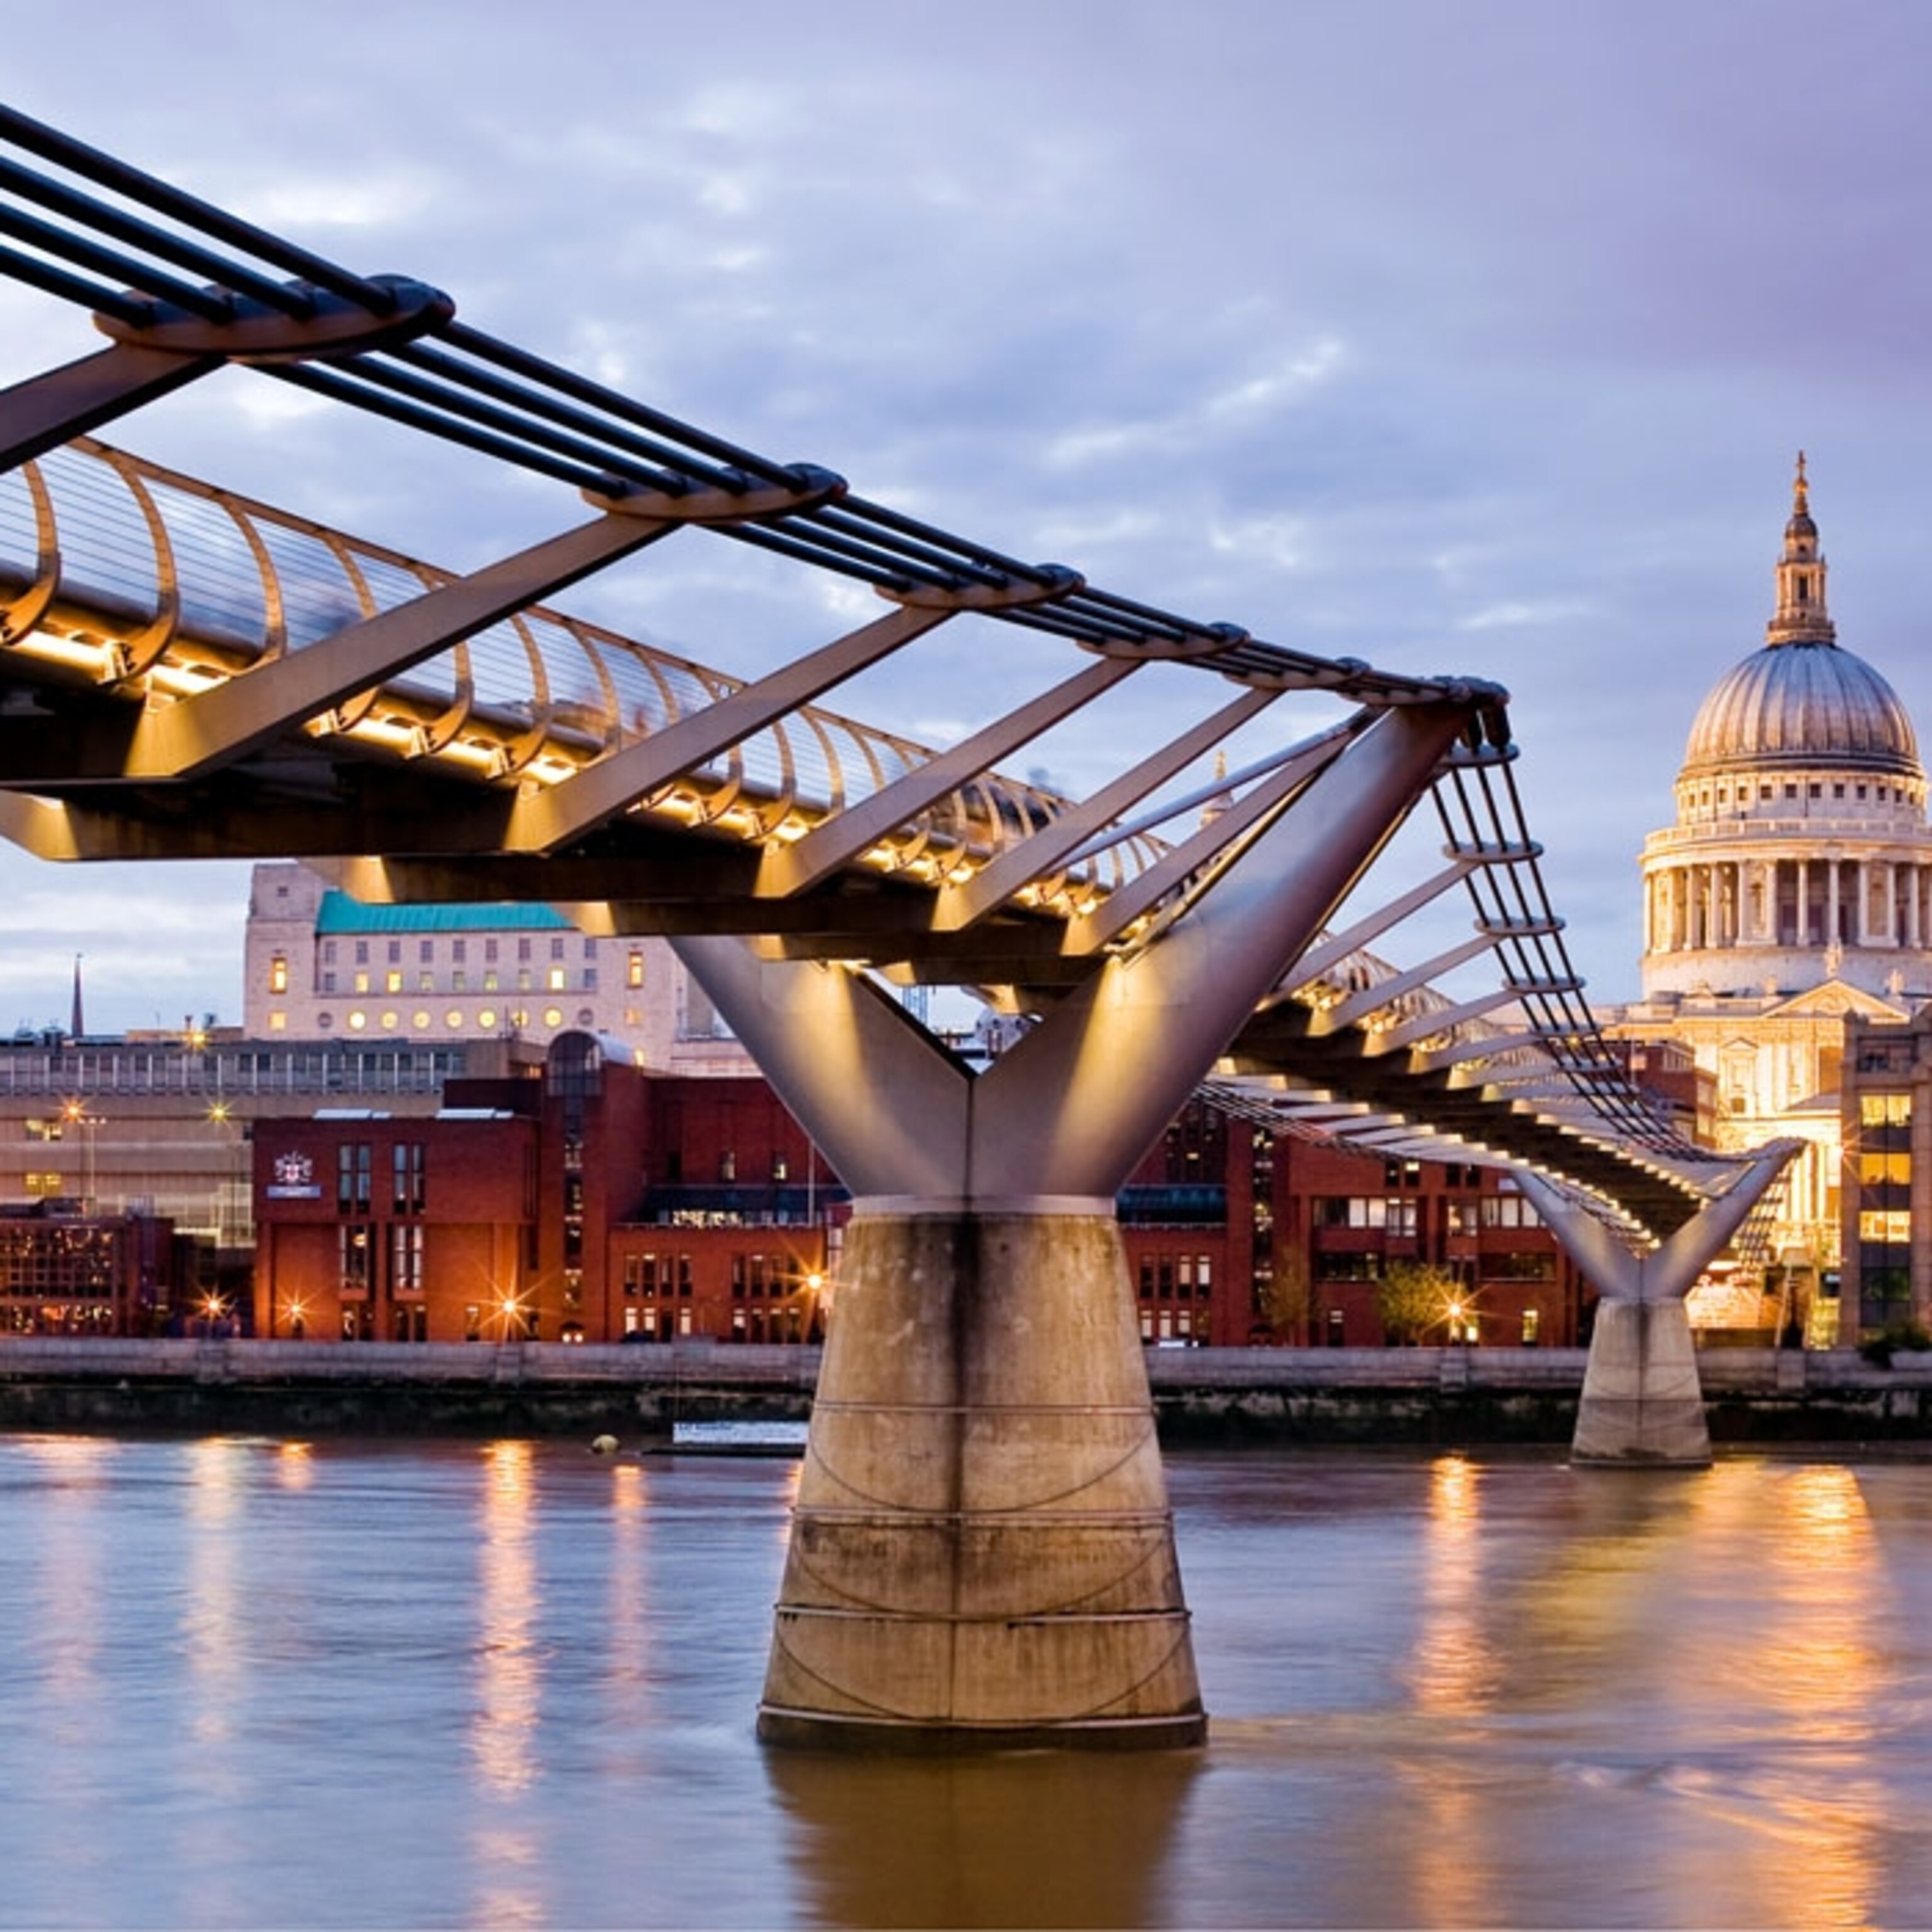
(75, 1114)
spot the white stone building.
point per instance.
(1795, 888)
(319, 964)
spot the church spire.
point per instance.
(1801, 617)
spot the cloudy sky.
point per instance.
(1474, 338)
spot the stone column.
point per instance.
(1834, 921)
(1804, 902)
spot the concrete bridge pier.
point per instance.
(1642, 1403)
(982, 1551)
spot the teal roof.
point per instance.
(339, 913)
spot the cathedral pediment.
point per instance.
(1833, 1001)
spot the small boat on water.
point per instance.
(738, 1439)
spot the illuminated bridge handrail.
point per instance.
(142, 571)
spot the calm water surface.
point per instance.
(252, 1682)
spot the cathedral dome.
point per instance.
(1802, 703)
(1801, 700)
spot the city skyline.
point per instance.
(1479, 342)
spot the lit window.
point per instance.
(557, 979)
(362, 982)
(392, 981)
(391, 1020)
(553, 1016)
(453, 1019)
(278, 974)
(634, 973)
(278, 1022)
(419, 1019)
(1885, 1224)
(358, 1020)
(487, 1018)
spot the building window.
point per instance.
(426, 952)
(523, 982)
(278, 974)
(557, 979)
(553, 1016)
(634, 971)
(392, 980)
(328, 952)
(727, 1165)
(362, 982)
(1532, 1327)
(523, 949)
(458, 951)
(1508, 1211)
(489, 951)
(459, 981)
(353, 1244)
(405, 1257)
(409, 1170)
(278, 1021)
(556, 948)
(395, 952)
(352, 1178)
(492, 979)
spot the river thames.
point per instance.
(263, 1683)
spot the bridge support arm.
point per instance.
(982, 1550)
(46, 411)
(1643, 1403)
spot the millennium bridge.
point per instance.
(981, 1549)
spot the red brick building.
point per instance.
(593, 1202)
(66, 1272)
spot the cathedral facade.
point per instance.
(1794, 891)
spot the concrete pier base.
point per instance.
(982, 1553)
(1643, 1403)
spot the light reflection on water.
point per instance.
(339, 1684)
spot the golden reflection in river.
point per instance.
(66, 1603)
(506, 1864)
(295, 1466)
(1455, 1669)
(1814, 1658)
(509, 1669)
(214, 1637)
(627, 1679)
(1453, 1672)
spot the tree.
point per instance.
(1291, 1307)
(1414, 1298)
